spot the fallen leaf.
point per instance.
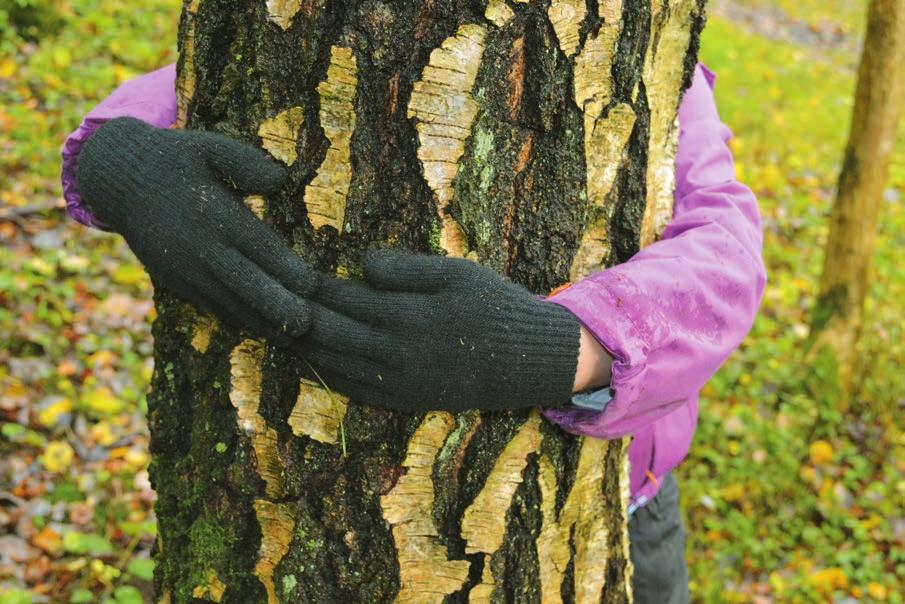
(57, 456)
(102, 401)
(50, 415)
(821, 452)
(48, 540)
(828, 580)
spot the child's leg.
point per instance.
(658, 548)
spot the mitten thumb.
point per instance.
(247, 168)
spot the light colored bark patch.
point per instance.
(426, 575)
(245, 362)
(317, 413)
(625, 494)
(279, 134)
(202, 331)
(484, 521)
(325, 196)
(566, 17)
(498, 12)
(605, 142)
(212, 590)
(553, 541)
(593, 77)
(585, 514)
(256, 204)
(593, 251)
(664, 66)
(605, 145)
(444, 110)
(585, 509)
(282, 12)
(277, 522)
(185, 80)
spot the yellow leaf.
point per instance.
(103, 401)
(829, 579)
(119, 452)
(808, 474)
(734, 493)
(877, 591)
(777, 582)
(128, 274)
(102, 357)
(122, 73)
(41, 267)
(137, 458)
(821, 452)
(102, 433)
(49, 415)
(75, 263)
(7, 68)
(57, 456)
(52, 80)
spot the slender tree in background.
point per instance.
(534, 137)
(838, 313)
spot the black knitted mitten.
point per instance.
(427, 332)
(176, 197)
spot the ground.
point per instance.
(785, 499)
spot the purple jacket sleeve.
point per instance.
(674, 312)
(150, 98)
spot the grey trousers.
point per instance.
(657, 537)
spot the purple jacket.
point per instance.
(669, 316)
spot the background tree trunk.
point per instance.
(838, 312)
(534, 137)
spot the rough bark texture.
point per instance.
(526, 135)
(838, 312)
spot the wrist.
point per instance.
(595, 364)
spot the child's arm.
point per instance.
(671, 315)
(150, 98)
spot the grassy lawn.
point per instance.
(785, 499)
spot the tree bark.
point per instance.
(838, 312)
(534, 137)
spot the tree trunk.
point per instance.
(838, 312)
(525, 135)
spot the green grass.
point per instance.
(770, 513)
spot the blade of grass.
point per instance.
(342, 428)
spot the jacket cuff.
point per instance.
(601, 310)
(150, 98)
